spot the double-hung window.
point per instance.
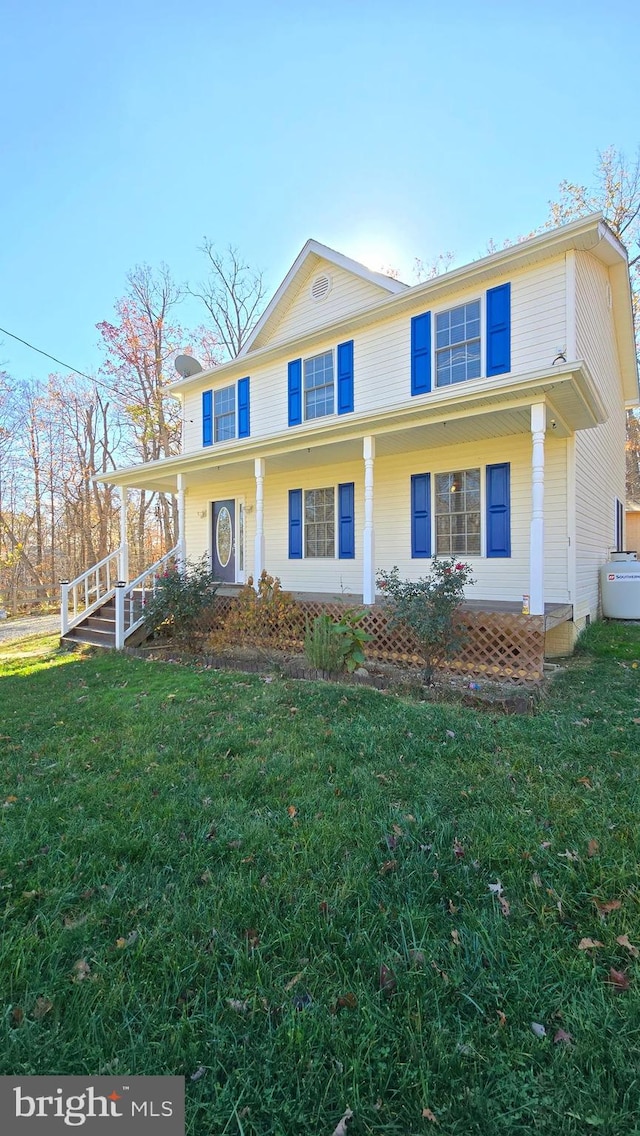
(319, 385)
(319, 522)
(458, 344)
(457, 513)
(224, 414)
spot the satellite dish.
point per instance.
(186, 366)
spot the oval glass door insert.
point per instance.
(224, 537)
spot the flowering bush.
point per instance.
(178, 600)
(428, 607)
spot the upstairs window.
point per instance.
(458, 344)
(319, 385)
(224, 414)
(457, 512)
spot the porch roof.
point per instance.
(480, 409)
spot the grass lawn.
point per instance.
(317, 897)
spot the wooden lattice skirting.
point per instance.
(498, 645)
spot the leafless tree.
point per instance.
(233, 294)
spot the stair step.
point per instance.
(84, 634)
(100, 622)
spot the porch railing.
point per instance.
(131, 598)
(89, 591)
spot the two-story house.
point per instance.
(367, 424)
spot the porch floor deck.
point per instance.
(554, 613)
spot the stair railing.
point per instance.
(130, 599)
(88, 591)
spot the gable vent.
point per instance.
(321, 287)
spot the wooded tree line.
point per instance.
(56, 521)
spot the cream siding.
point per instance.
(600, 452)
(382, 354)
(349, 294)
(496, 579)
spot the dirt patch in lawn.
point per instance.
(485, 694)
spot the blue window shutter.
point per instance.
(421, 515)
(207, 418)
(499, 330)
(421, 353)
(345, 377)
(499, 509)
(346, 525)
(295, 392)
(244, 425)
(295, 524)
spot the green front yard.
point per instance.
(306, 897)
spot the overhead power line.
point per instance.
(67, 366)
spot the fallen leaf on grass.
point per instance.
(391, 842)
(451, 908)
(292, 811)
(238, 1006)
(496, 888)
(536, 880)
(538, 1029)
(70, 922)
(200, 1072)
(589, 944)
(586, 782)
(387, 981)
(121, 943)
(606, 906)
(17, 1016)
(623, 940)
(294, 981)
(388, 866)
(502, 1018)
(81, 970)
(571, 856)
(593, 848)
(42, 1007)
(416, 959)
(561, 1036)
(341, 1127)
(619, 979)
(252, 937)
(458, 849)
(451, 733)
(302, 1001)
(429, 1115)
(504, 906)
(443, 974)
(345, 1002)
(455, 935)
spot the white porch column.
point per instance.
(368, 536)
(182, 546)
(536, 547)
(123, 555)
(258, 559)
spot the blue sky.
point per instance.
(130, 131)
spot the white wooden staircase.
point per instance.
(103, 610)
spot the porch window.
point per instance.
(457, 513)
(319, 522)
(458, 344)
(224, 414)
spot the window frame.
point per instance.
(479, 299)
(216, 418)
(481, 534)
(332, 352)
(305, 553)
